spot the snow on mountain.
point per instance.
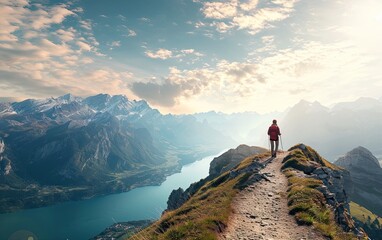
(69, 107)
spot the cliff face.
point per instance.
(308, 170)
(366, 175)
(231, 158)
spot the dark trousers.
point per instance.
(274, 147)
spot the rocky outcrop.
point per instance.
(231, 158)
(5, 163)
(176, 199)
(366, 176)
(335, 194)
(222, 164)
(335, 183)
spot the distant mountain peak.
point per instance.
(308, 107)
(362, 103)
(68, 97)
(359, 157)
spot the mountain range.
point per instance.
(331, 130)
(69, 148)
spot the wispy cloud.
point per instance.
(166, 54)
(313, 70)
(227, 79)
(114, 44)
(49, 59)
(247, 15)
(160, 53)
(131, 33)
(220, 10)
(86, 24)
(145, 19)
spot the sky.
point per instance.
(186, 56)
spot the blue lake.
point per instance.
(85, 219)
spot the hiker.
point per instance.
(274, 132)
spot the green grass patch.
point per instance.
(247, 161)
(362, 214)
(305, 202)
(204, 215)
(308, 154)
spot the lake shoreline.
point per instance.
(35, 196)
(85, 219)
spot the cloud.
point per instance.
(226, 79)
(144, 19)
(25, 83)
(161, 54)
(86, 24)
(131, 33)
(11, 13)
(121, 17)
(164, 94)
(84, 46)
(48, 59)
(220, 10)
(66, 35)
(54, 15)
(311, 70)
(9, 99)
(166, 54)
(115, 44)
(222, 27)
(249, 5)
(246, 15)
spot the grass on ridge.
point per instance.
(305, 202)
(204, 215)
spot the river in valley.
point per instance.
(80, 220)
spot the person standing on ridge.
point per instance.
(274, 132)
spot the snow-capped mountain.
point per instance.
(99, 144)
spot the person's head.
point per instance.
(274, 121)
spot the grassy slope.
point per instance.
(362, 214)
(370, 222)
(204, 215)
(306, 203)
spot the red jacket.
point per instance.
(274, 132)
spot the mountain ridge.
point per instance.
(72, 148)
(315, 196)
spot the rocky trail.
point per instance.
(260, 211)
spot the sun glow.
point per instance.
(367, 16)
(379, 18)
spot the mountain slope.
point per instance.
(70, 148)
(245, 202)
(366, 175)
(335, 130)
(370, 222)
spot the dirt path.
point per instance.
(260, 211)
